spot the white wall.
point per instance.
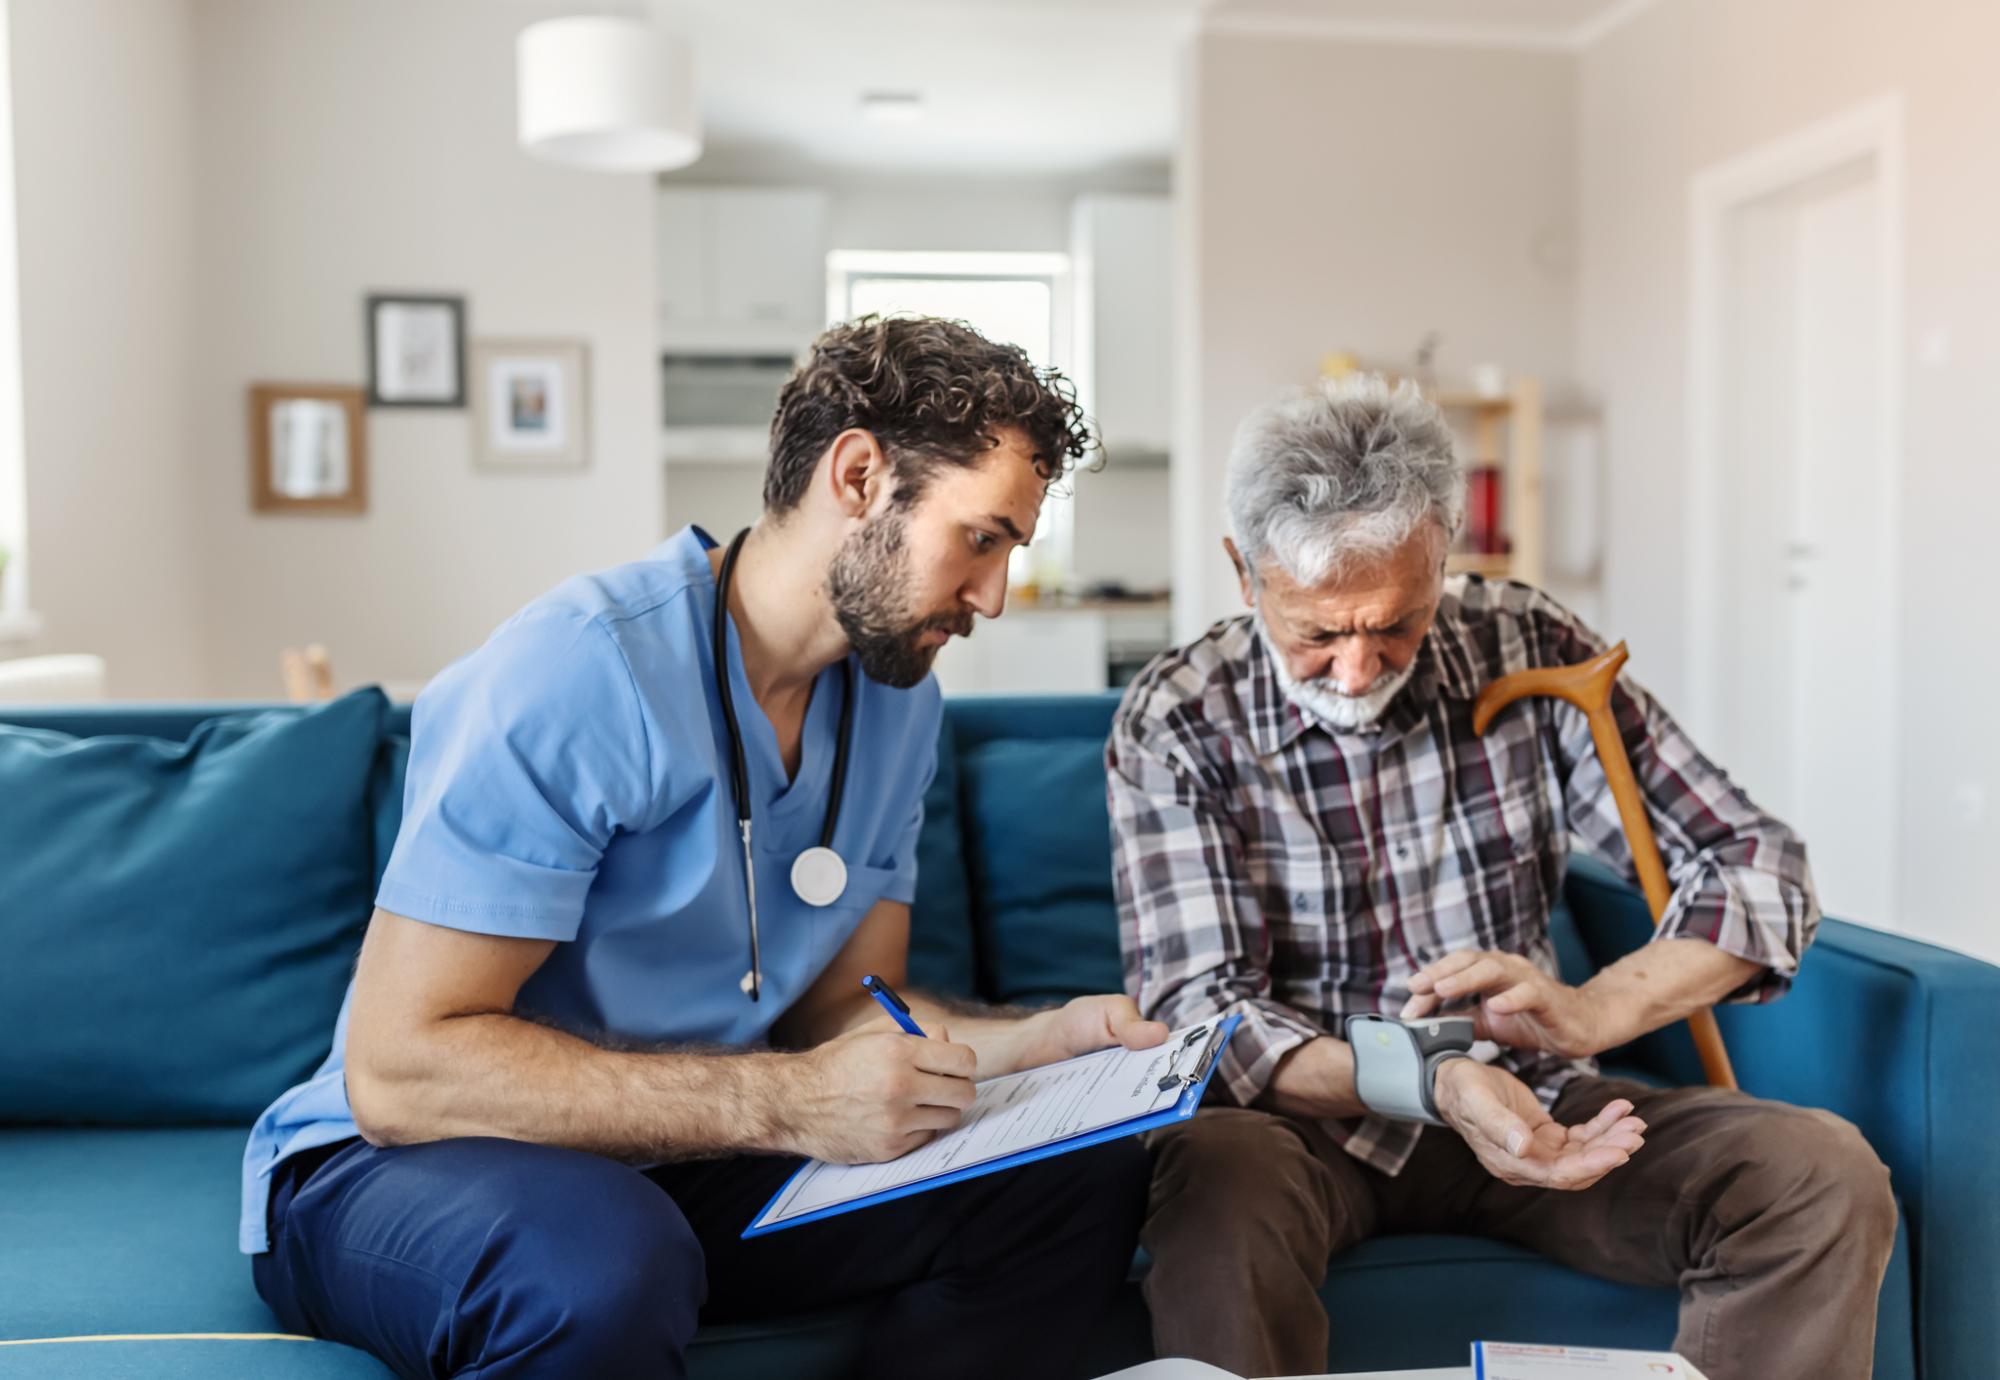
(1762, 71)
(104, 165)
(370, 145)
(1341, 195)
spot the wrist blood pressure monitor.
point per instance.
(1396, 1063)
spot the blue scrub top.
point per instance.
(569, 781)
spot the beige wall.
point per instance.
(103, 172)
(1689, 84)
(1352, 196)
(370, 145)
(207, 190)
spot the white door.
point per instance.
(1807, 622)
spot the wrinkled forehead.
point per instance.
(1378, 590)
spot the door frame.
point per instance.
(1872, 129)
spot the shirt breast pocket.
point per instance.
(1494, 872)
(799, 940)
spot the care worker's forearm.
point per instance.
(499, 1075)
(1314, 1081)
(1659, 984)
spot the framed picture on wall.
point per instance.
(531, 404)
(308, 448)
(416, 350)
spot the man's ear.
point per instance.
(1242, 572)
(856, 472)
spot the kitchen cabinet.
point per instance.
(1121, 253)
(740, 269)
(1027, 651)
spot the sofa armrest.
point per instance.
(1897, 1036)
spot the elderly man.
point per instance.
(1307, 829)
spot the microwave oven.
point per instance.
(719, 407)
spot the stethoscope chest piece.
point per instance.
(819, 876)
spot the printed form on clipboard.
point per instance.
(1019, 1117)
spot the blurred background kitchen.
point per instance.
(319, 355)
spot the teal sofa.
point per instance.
(170, 964)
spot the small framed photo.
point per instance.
(531, 404)
(416, 351)
(308, 448)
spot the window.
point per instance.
(14, 617)
(1021, 299)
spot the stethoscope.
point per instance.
(819, 874)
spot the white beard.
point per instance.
(1325, 701)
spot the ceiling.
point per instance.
(1553, 24)
(1010, 87)
(1043, 88)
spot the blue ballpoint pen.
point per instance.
(898, 1009)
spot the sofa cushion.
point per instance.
(246, 1357)
(1039, 844)
(1409, 1301)
(122, 1233)
(128, 1232)
(180, 917)
(941, 955)
(1422, 1300)
(131, 1231)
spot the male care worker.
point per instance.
(578, 1056)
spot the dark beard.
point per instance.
(862, 583)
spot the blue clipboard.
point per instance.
(1190, 1099)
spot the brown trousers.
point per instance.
(1775, 1222)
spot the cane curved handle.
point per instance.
(1588, 686)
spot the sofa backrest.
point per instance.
(1014, 899)
(1025, 841)
(174, 722)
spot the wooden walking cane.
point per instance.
(1588, 687)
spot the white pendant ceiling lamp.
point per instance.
(614, 95)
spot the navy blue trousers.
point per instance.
(501, 1259)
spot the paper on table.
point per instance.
(1521, 1361)
(1009, 1114)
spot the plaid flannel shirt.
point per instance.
(1268, 866)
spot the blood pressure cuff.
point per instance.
(1396, 1063)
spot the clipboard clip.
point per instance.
(1207, 1038)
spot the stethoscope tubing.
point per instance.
(739, 772)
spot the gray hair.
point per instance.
(1347, 469)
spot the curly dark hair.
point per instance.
(933, 392)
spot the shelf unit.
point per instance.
(1504, 431)
(1481, 563)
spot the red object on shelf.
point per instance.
(1482, 510)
